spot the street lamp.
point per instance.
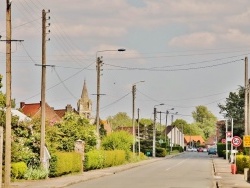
(154, 131)
(133, 111)
(98, 70)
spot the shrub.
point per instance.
(161, 152)
(36, 173)
(65, 163)
(242, 161)
(120, 140)
(18, 170)
(97, 159)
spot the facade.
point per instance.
(176, 137)
(84, 105)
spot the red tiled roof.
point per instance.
(34, 110)
(31, 109)
(196, 138)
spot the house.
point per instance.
(193, 140)
(176, 137)
(61, 112)
(33, 110)
(106, 126)
(20, 115)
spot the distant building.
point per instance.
(175, 136)
(33, 110)
(84, 105)
(61, 112)
(193, 140)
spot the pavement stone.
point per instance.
(222, 176)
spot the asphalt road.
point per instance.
(190, 170)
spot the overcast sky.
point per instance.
(188, 52)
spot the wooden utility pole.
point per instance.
(98, 69)
(133, 115)
(246, 107)
(8, 98)
(43, 88)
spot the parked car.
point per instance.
(204, 149)
(212, 151)
(200, 149)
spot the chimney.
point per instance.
(68, 108)
(22, 104)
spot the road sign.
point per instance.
(236, 141)
(223, 140)
(229, 136)
(246, 141)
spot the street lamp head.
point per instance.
(121, 50)
(172, 109)
(161, 104)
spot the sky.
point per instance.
(187, 52)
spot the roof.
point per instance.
(22, 117)
(34, 110)
(196, 138)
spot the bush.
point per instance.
(65, 163)
(120, 140)
(36, 173)
(160, 152)
(97, 159)
(242, 161)
(18, 170)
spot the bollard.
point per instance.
(233, 168)
(246, 171)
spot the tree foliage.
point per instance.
(234, 108)
(205, 120)
(121, 119)
(120, 140)
(73, 127)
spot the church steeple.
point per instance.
(84, 105)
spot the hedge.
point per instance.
(97, 159)
(242, 161)
(65, 163)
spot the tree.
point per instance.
(73, 127)
(205, 120)
(121, 119)
(234, 108)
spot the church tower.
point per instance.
(84, 105)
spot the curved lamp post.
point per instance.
(98, 70)
(154, 131)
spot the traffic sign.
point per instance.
(229, 134)
(236, 141)
(246, 141)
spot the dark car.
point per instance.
(212, 151)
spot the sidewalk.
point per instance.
(223, 176)
(65, 181)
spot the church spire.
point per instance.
(84, 91)
(84, 105)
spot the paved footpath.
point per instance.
(222, 176)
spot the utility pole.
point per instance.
(8, 97)
(226, 141)
(139, 144)
(166, 126)
(246, 107)
(98, 70)
(154, 132)
(133, 115)
(43, 89)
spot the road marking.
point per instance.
(176, 164)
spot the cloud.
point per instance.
(202, 39)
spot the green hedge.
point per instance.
(65, 163)
(160, 152)
(242, 161)
(18, 170)
(97, 159)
